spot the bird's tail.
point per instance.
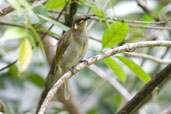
(52, 77)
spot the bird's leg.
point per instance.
(70, 69)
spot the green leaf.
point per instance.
(62, 26)
(24, 55)
(117, 69)
(14, 33)
(135, 68)
(34, 78)
(13, 71)
(56, 4)
(34, 19)
(115, 34)
(98, 12)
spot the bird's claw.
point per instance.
(84, 61)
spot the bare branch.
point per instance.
(128, 21)
(8, 65)
(149, 57)
(149, 27)
(139, 22)
(145, 8)
(6, 10)
(95, 39)
(146, 91)
(94, 59)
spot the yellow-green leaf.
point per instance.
(14, 33)
(117, 69)
(24, 55)
(135, 68)
(56, 4)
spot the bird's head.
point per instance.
(80, 22)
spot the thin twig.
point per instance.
(11, 24)
(149, 57)
(94, 59)
(149, 27)
(6, 10)
(94, 17)
(8, 65)
(145, 8)
(95, 39)
(140, 26)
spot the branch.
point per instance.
(137, 22)
(146, 91)
(149, 57)
(6, 10)
(8, 65)
(149, 27)
(145, 8)
(96, 17)
(94, 59)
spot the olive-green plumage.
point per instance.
(70, 50)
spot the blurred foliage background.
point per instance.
(20, 93)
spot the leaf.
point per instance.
(115, 34)
(117, 69)
(55, 4)
(63, 27)
(24, 55)
(34, 19)
(14, 33)
(135, 68)
(98, 12)
(34, 78)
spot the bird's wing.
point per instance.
(62, 46)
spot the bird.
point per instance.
(71, 49)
